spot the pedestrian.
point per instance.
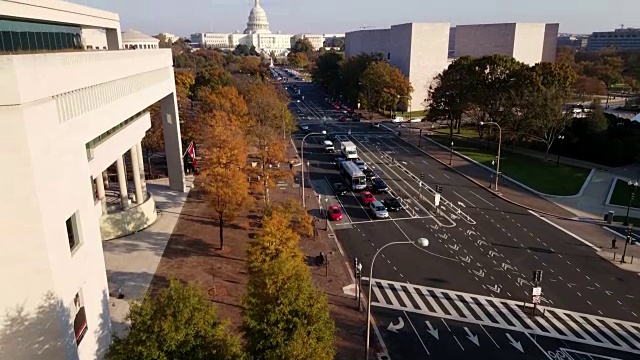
(613, 243)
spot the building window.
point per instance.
(80, 319)
(34, 36)
(72, 232)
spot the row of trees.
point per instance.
(285, 315)
(529, 104)
(365, 80)
(600, 72)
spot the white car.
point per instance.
(397, 119)
(416, 120)
(378, 210)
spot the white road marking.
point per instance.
(565, 231)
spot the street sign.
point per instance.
(536, 299)
(537, 291)
(437, 199)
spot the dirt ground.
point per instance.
(193, 255)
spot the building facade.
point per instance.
(68, 115)
(423, 50)
(578, 42)
(257, 34)
(624, 39)
(134, 39)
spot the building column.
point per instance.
(143, 181)
(135, 169)
(172, 142)
(122, 181)
(105, 178)
(101, 195)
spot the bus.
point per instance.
(353, 175)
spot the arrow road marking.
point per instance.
(571, 285)
(434, 227)
(479, 273)
(493, 253)
(472, 337)
(395, 328)
(455, 247)
(461, 204)
(522, 281)
(515, 344)
(471, 232)
(481, 242)
(507, 266)
(432, 331)
(466, 259)
(495, 288)
(443, 236)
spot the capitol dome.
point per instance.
(258, 22)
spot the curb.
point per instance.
(593, 221)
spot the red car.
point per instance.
(335, 213)
(367, 197)
(343, 118)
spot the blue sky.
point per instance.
(336, 16)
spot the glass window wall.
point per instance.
(21, 36)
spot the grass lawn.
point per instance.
(465, 132)
(621, 194)
(540, 175)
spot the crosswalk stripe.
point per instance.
(507, 314)
(431, 301)
(574, 326)
(417, 299)
(624, 334)
(389, 293)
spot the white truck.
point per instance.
(348, 150)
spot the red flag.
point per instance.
(191, 150)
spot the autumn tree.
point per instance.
(298, 59)
(608, 67)
(185, 80)
(178, 323)
(302, 45)
(385, 85)
(285, 317)
(212, 78)
(223, 104)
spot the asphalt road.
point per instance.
(474, 277)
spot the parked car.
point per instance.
(379, 186)
(375, 124)
(378, 210)
(416, 120)
(397, 119)
(369, 174)
(335, 213)
(367, 197)
(304, 127)
(392, 204)
(340, 189)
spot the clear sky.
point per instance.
(337, 16)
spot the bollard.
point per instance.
(614, 256)
(632, 259)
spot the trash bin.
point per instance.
(609, 217)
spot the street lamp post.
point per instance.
(451, 154)
(499, 146)
(633, 186)
(561, 138)
(421, 242)
(409, 105)
(324, 132)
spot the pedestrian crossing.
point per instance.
(507, 314)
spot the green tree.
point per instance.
(212, 78)
(327, 71)
(608, 67)
(385, 85)
(302, 45)
(298, 59)
(179, 323)
(349, 85)
(286, 317)
(242, 50)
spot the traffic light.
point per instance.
(355, 266)
(422, 176)
(439, 189)
(629, 231)
(537, 276)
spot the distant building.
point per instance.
(622, 39)
(423, 50)
(578, 42)
(134, 39)
(317, 41)
(170, 37)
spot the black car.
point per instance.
(340, 189)
(392, 204)
(379, 186)
(369, 174)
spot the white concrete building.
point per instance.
(170, 37)
(316, 40)
(419, 50)
(67, 116)
(257, 34)
(422, 50)
(134, 39)
(530, 43)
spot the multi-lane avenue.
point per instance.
(469, 293)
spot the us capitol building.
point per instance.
(259, 35)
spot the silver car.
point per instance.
(378, 210)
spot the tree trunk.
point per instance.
(149, 162)
(221, 222)
(546, 153)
